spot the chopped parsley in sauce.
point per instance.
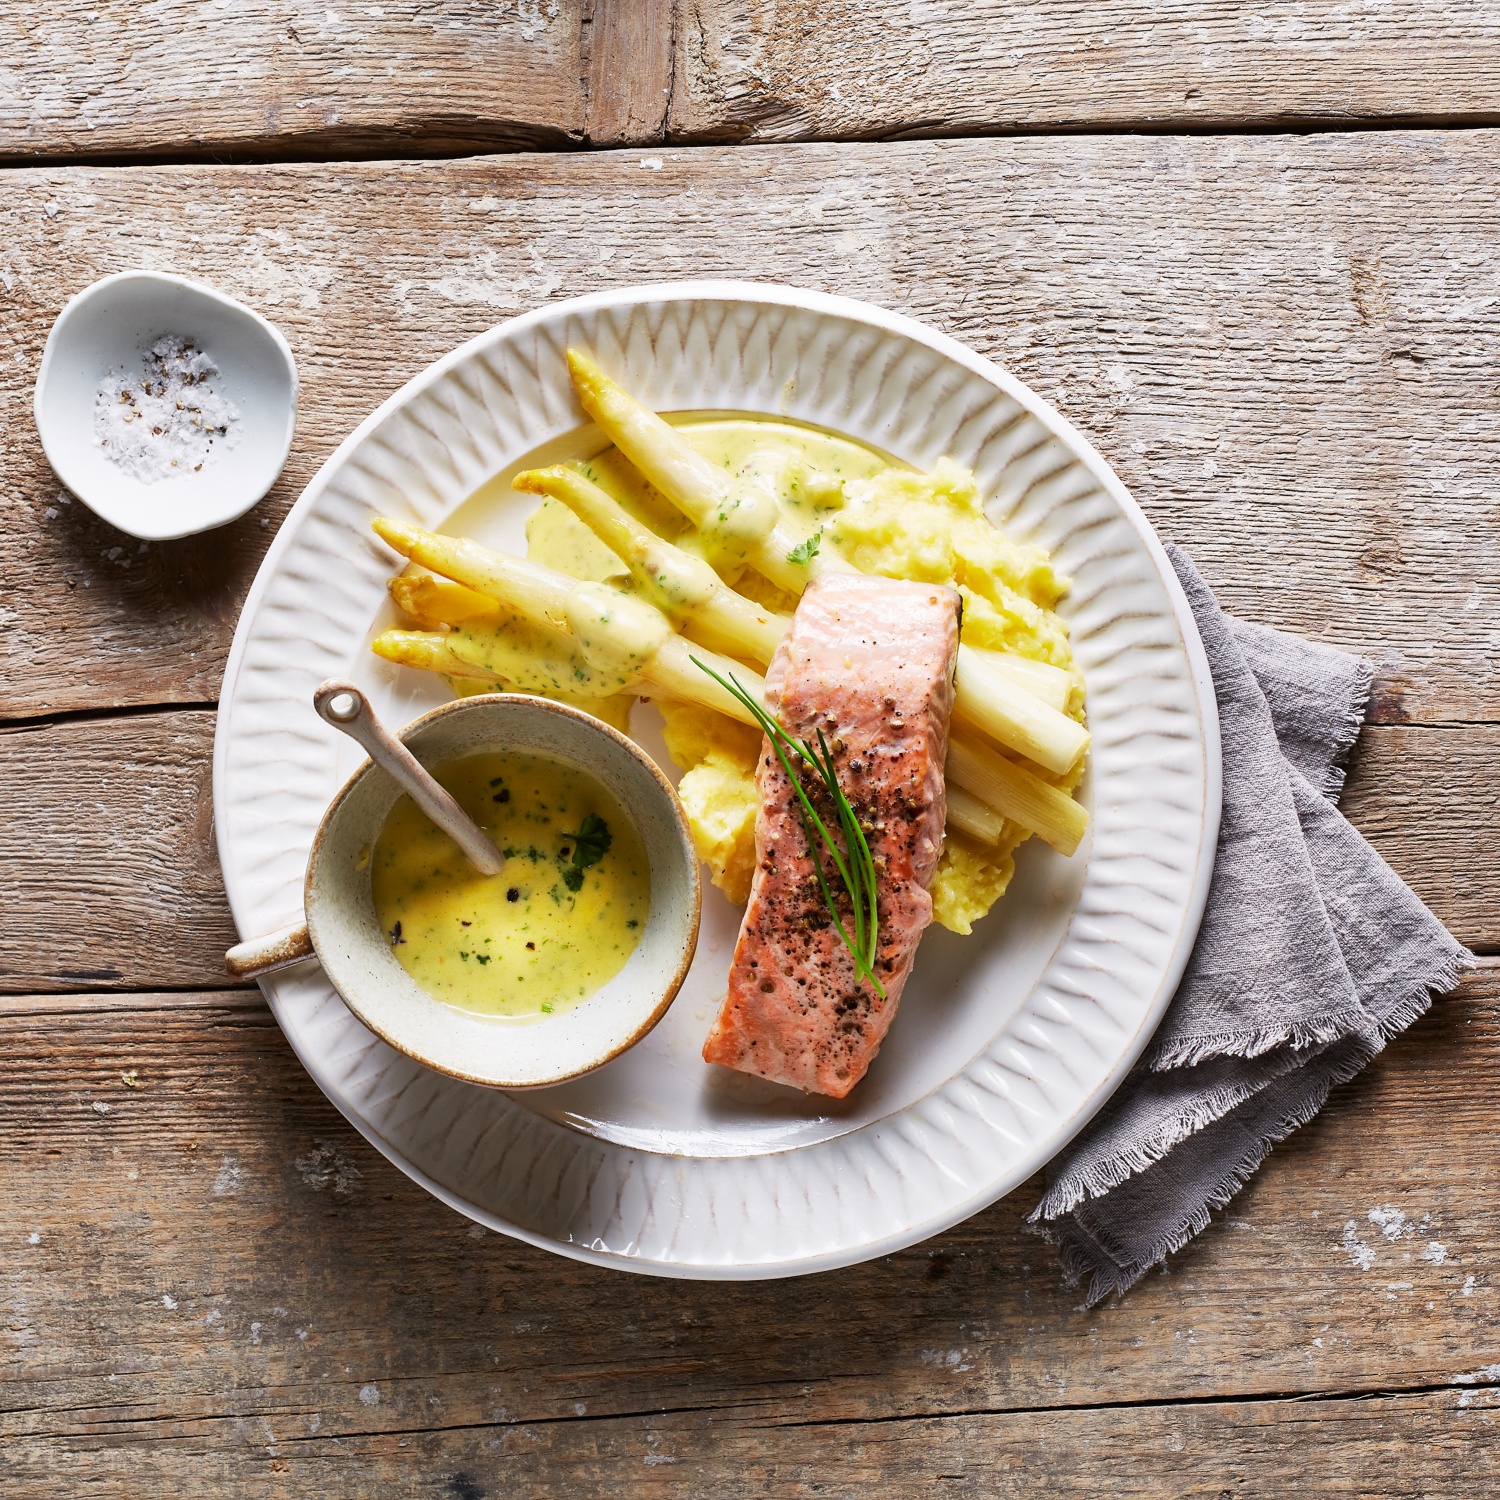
(552, 927)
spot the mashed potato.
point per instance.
(932, 527)
(718, 757)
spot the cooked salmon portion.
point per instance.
(869, 661)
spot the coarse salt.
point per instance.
(168, 419)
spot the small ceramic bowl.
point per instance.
(108, 327)
(503, 1053)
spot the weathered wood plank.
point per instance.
(1284, 345)
(124, 890)
(1421, 796)
(108, 872)
(779, 70)
(288, 77)
(293, 78)
(208, 1268)
(630, 71)
(1439, 1443)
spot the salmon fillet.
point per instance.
(870, 662)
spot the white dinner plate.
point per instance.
(1007, 1041)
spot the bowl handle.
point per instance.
(264, 955)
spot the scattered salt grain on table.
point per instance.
(168, 419)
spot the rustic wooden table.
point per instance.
(1253, 250)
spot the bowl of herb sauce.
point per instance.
(542, 972)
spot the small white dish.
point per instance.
(108, 327)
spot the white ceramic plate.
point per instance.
(1007, 1041)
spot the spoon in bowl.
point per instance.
(345, 706)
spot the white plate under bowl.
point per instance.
(1007, 1041)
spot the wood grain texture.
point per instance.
(294, 78)
(1427, 800)
(287, 77)
(212, 1285)
(780, 70)
(630, 71)
(1285, 346)
(1430, 1444)
(109, 877)
(108, 872)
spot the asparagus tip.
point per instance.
(588, 378)
(535, 481)
(397, 534)
(388, 645)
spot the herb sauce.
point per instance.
(557, 923)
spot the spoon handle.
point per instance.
(345, 707)
(278, 950)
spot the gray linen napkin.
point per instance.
(1311, 956)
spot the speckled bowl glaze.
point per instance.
(497, 1051)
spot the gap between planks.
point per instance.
(936, 1416)
(105, 713)
(563, 1419)
(85, 1001)
(383, 153)
(1145, 1403)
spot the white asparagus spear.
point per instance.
(969, 815)
(1046, 810)
(632, 641)
(1052, 685)
(426, 597)
(683, 586)
(687, 588)
(624, 638)
(1013, 717)
(741, 518)
(430, 652)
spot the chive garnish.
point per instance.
(855, 865)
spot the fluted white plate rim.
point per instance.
(914, 1142)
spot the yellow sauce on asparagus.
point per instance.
(557, 923)
(805, 468)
